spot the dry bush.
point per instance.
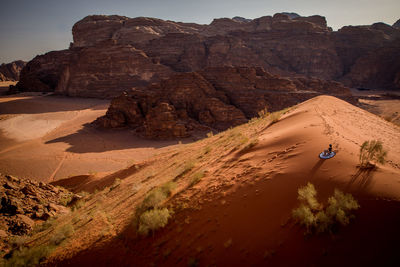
(28, 256)
(315, 218)
(372, 151)
(61, 234)
(196, 178)
(152, 220)
(308, 195)
(253, 142)
(156, 196)
(340, 206)
(275, 117)
(33, 256)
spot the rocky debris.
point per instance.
(25, 203)
(111, 54)
(214, 98)
(11, 71)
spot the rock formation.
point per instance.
(11, 71)
(397, 24)
(111, 54)
(25, 203)
(213, 98)
(43, 73)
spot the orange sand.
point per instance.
(239, 213)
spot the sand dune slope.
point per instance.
(239, 213)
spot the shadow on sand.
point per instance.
(90, 139)
(47, 104)
(363, 177)
(89, 184)
(316, 167)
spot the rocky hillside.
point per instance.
(214, 98)
(11, 71)
(112, 54)
(26, 204)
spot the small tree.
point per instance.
(372, 151)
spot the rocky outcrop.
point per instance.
(397, 24)
(111, 54)
(25, 203)
(214, 98)
(108, 69)
(11, 71)
(43, 73)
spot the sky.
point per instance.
(32, 27)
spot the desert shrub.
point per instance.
(153, 199)
(274, 117)
(250, 144)
(61, 234)
(156, 196)
(312, 215)
(152, 220)
(308, 194)
(167, 188)
(29, 256)
(372, 151)
(189, 165)
(339, 207)
(196, 178)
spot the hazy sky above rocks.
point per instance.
(32, 27)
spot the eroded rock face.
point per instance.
(214, 98)
(11, 71)
(107, 69)
(111, 54)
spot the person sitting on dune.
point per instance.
(327, 153)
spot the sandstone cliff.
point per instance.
(111, 54)
(11, 71)
(214, 98)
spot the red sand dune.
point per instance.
(239, 213)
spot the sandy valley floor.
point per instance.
(46, 137)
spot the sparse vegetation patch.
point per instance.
(315, 218)
(196, 178)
